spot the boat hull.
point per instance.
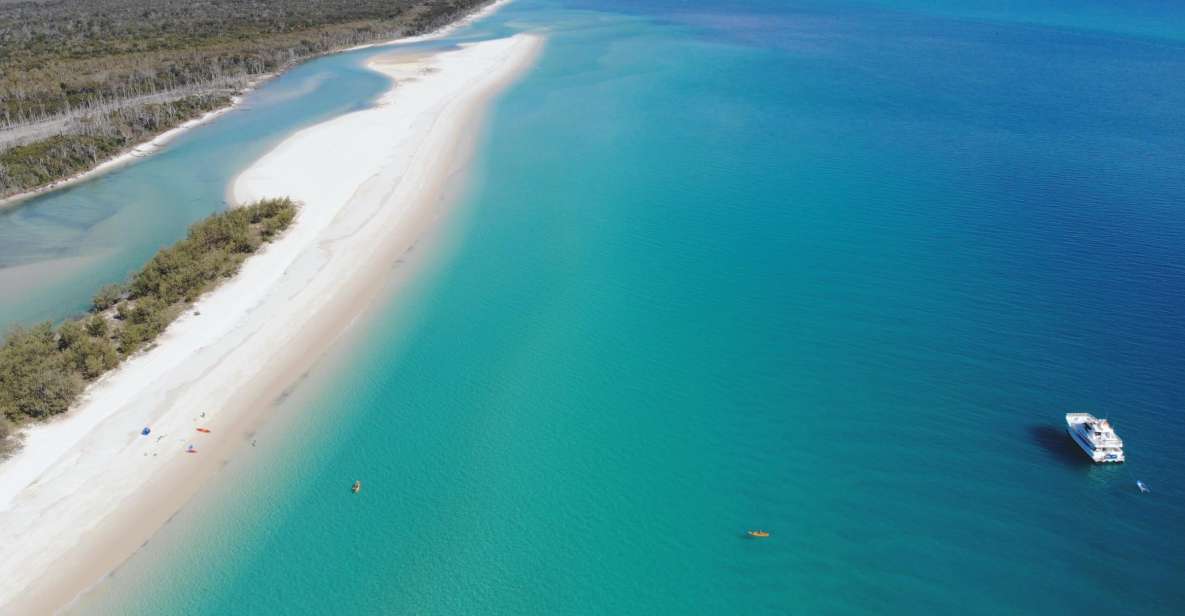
(1101, 457)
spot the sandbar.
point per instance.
(88, 489)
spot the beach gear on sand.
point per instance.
(145, 431)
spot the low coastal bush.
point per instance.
(44, 368)
(7, 443)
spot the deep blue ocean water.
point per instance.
(836, 270)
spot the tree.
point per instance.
(34, 382)
(96, 326)
(69, 334)
(107, 296)
(94, 356)
(43, 369)
(130, 339)
(51, 391)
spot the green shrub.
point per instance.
(8, 441)
(96, 326)
(147, 310)
(43, 369)
(93, 356)
(69, 335)
(34, 378)
(107, 296)
(131, 338)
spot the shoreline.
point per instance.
(149, 147)
(441, 32)
(141, 150)
(274, 322)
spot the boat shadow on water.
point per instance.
(1059, 445)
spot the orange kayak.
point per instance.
(203, 430)
(758, 533)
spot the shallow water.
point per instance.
(832, 271)
(58, 248)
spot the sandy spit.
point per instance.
(86, 491)
(147, 148)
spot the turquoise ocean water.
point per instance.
(835, 270)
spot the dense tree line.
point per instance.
(56, 56)
(80, 64)
(44, 368)
(95, 139)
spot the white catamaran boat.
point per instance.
(1095, 436)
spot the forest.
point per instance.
(44, 368)
(76, 74)
(94, 139)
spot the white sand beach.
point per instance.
(147, 148)
(88, 489)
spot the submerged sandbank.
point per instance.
(88, 489)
